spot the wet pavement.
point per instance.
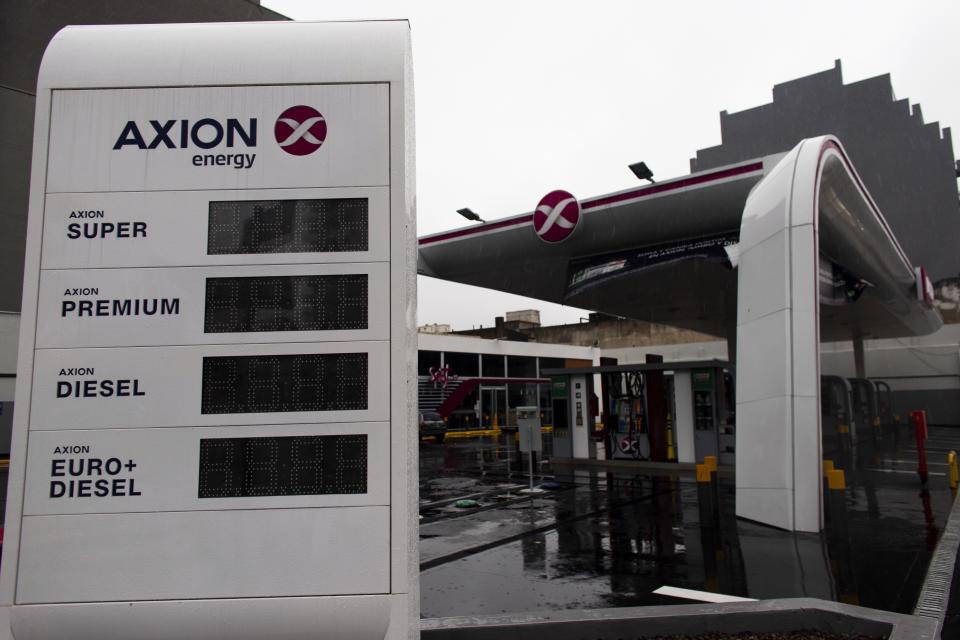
(610, 539)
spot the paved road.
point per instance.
(601, 540)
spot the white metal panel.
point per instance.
(766, 347)
(170, 379)
(204, 554)
(267, 53)
(343, 618)
(767, 289)
(176, 228)
(86, 125)
(807, 446)
(147, 307)
(766, 465)
(167, 468)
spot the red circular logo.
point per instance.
(556, 216)
(300, 130)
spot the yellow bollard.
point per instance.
(827, 467)
(836, 480)
(710, 462)
(954, 472)
(703, 473)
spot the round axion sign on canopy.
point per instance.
(556, 216)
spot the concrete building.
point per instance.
(906, 164)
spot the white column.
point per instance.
(683, 416)
(579, 417)
(778, 417)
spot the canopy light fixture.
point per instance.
(470, 215)
(641, 170)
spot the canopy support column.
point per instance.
(778, 390)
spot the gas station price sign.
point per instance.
(286, 303)
(272, 466)
(219, 311)
(301, 382)
(288, 226)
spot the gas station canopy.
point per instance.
(667, 253)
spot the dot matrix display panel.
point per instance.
(283, 466)
(288, 226)
(278, 383)
(286, 303)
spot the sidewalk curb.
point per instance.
(788, 614)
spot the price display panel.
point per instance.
(283, 383)
(212, 305)
(286, 303)
(195, 228)
(282, 466)
(130, 470)
(317, 225)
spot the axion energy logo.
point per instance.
(556, 216)
(300, 130)
(205, 133)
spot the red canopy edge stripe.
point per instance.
(603, 201)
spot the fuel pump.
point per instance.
(629, 437)
(884, 404)
(835, 417)
(864, 403)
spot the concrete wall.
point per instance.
(601, 331)
(709, 350)
(906, 164)
(25, 30)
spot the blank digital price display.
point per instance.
(287, 226)
(274, 383)
(286, 466)
(286, 303)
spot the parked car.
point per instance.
(433, 424)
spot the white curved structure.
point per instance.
(288, 510)
(810, 204)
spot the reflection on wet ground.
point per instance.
(610, 539)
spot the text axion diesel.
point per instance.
(299, 130)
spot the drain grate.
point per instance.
(935, 594)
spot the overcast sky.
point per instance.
(517, 98)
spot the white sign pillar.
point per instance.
(214, 428)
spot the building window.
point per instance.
(462, 364)
(425, 360)
(551, 363)
(521, 367)
(493, 366)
